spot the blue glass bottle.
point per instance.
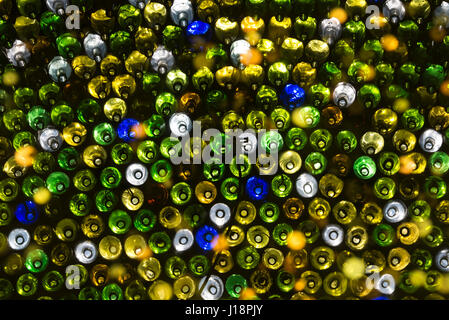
(292, 96)
(27, 212)
(206, 237)
(125, 129)
(257, 188)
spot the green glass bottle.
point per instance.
(321, 140)
(369, 96)
(419, 210)
(240, 168)
(31, 184)
(85, 180)
(319, 95)
(310, 230)
(384, 74)
(136, 291)
(161, 171)
(384, 188)
(354, 30)
(52, 24)
(170, 146)
(175, 267)
(129, 17)
(49, 94)
(68, 46)
(406, 284)
(433, 76)
(38, 118)
(14, 120)
(151, 83)
(195, 215)
(281, 185)
(296, 139)
(216, 100)
(69, 159)
(120, 43)
(112, 291)
(176, 81)
(80, 204)
(285, 281)
(389, 163)
(89, 293)
(23, 139)
(347, 141)
(36, 261)
(438, 163)
(144, 220)
(248, 258)
(305, 27)
(364, 167)
(25, 98)
(281, 118)
(62, 115)
(104, 134)
(422, 259)
(26, 285)
(181, 193)
(384, 235)
(230, 188)
(266, 98)
(217, 54)
(434, 236)
(166, 104)
(53, 281)
(281, 232)
(235, 284)
(159, 242)
(359, 72)
(154, 126)
(110, 177)
(269, 212)
(308, 117)
(203, 79)
(199, 265)
(408, 75)
(106, 200)
(435, 187)
(278, 74)
(88, 111)
(147, 151)
(315, 163)
(119, 222)
(122, 153)
(329, 73)
(58, 182)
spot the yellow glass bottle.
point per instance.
(133, 198)
(149, 269)
(94, 156)
(319, 208)
(245, 213)
(110, 248)
(74, 134)
(170, 217)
